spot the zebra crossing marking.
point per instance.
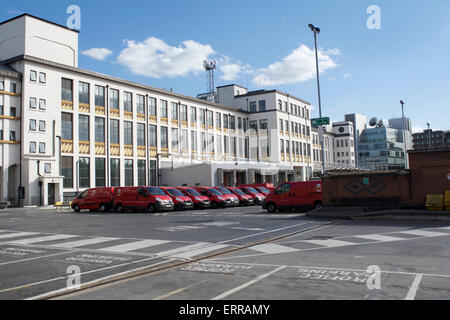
(380, 237)
(17, 235)
(42, 239)
(82, 243)
(424, 233)
(136, 245)
(272, 248)
(330, 243)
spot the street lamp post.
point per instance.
(316, 30)
(404, 135)
(429, 137)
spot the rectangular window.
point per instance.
(66, 126)
(263, 124)
(84, 173)
(152, 106)
(210, 118)
(114, 99)
(67, 171)
(225, 144)
(232, 122)
(41, 126)
(83, 94)
(174, 111)
(32, 125)
(128, 132)
(218, 120)
(164, 137)
(114, 131)
(33, 76)
(12, 87)
(141, 134)
(252, 106)
(128, 101)
(152, 136)
(48, 168)
(286, 126)
(254, 125)
(194, 141)
(42, 77)
(83, 128)
(239, 123)
(184, 139)
(140, 104)
(163, 109)
(211, 142)
(281, 145)
(115, 172)
(129, 173)
(262, 105)
(219, 144)
(142, 177)
(280, 105)
(33, 103)
(100, 96)
(233, 146)
(281, 124)
(41, 147)
(100, 172)
(42, 104)
(99, 129)
(12, 136)
(202, 116)
(32, 146)
(193, 114)
(174, 136)
(66, 89)
(183, 112)
(2, 86)
(225, 121)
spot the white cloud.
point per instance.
(298, 66)
(97, 53)
(231, 71)
(346, 76)
(417, 129)
(155, 58)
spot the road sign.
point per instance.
(320, 122)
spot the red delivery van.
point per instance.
(198, 200)
(95, 199)
(244, 199)
(295, 195)
(216, 197)
(233, 197)
(150, 199)
(257, 196)
(180, 200)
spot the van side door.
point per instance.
(283, 198)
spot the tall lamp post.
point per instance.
(429, 137)
(404, 135)
(316, 30)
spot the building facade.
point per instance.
(431, 140)
(359, 124)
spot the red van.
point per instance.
(198, 200)
(244, 199)
(264, 188)
(181, 201)
(257, 196)
(295, 195)
(95, 199)
(233, 197)
(216, 197)
(150, 199)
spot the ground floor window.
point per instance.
(67, 171)
(100, 172)
(153, 173)
(141, 173)
(115, 172)
(84, 173)
(128, 172)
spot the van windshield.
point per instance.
(225, 190)
(252, 190)
(175, 192)
(263, 189)
(155, 191)
(238, 191)
(192, 192)
(215, 191)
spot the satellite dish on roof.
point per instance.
(380, 123)
(373, 122)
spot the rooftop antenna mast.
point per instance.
(210, 66)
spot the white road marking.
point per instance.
(81, 243)
(247, 284)
(196, 252)
(17, 234)
(272, 248)
(424, 233)
(414, 287)
(182, 249)
(330, 243)
(134, 245)
(42, 239)
(248, 229)
(379, 237)
(446, 228)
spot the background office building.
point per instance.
(431, 140)
(359, 124)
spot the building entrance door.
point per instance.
(51, 194)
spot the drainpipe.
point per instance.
(40, 182)
(107, 180)
(21, 152)
(147, 140)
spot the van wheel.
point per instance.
(318, 205)
(213, 205)
(102, 207)
(271, 207)
(151, 208)
(119, 208)
(76, 208)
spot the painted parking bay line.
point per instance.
(134, 245)
(42, 239)
(81, 243)
(17, 234)
(424, 233)
(272, 248)
(330, 243)
(379, 237)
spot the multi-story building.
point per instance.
(344, 143)
(359, 124)
(328, 145)
(400, 124)
(73, 129)
(431, 140)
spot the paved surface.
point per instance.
(235, 253)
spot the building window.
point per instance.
(218, 120)
(140, 104)
(99, 96)
(239, 123)
(142, 178)
(66, 89)
(41, 126)
(219, 144)
(164, 138)
(184, 140)
(163, 109)
(128, 132)
(174, 111)
(210, 118)
(67, 171)
(2, 86)
(83, 94)
(252, 106)
(32, 146)
(84, 173)
(42, 78)
(66, 126)
(114, 99)
(128, 172)
(232, 122)
(83, 127)
(225, 121)
(33, 76)
(100, 172)
(281, 124)
(128, 101)
(12, 136)
(194, 141)
(141, 134)
(115, 172)
(174, 136)
(225, 144)
(152, 136)
(263, 124)
(262, 105)
(280, 105)
(42, 104)
(254, 125)
(41, 147)
(152, 106)
(202, 116)
(281, 145)
(193, 114)
(99, 129)
(32, 125)
(202, 141)
(114, 131)
(12, 87)
(183, 112)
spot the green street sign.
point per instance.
(320, 122)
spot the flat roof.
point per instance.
(264, 91)
(43, 20)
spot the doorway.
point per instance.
(51, 194)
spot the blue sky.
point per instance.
(266, 44)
